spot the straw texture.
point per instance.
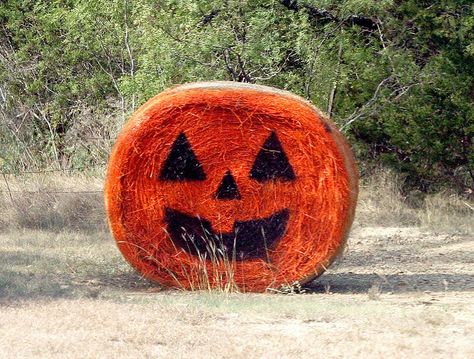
(228, 138)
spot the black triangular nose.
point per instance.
(228, 188)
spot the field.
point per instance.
(403, 288)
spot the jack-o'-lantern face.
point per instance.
(205, 171)
(248, 237)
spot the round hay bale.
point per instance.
(228, 185)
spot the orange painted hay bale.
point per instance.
(219, 184)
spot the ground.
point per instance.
(396, 292)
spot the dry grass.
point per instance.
(69, 295)
(39, 264)
(447, 212)
(382, 204)
(72, 295)
(61, 202)
(175, 325)
(54, 202)
(404, 289)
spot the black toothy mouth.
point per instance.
(248, 239)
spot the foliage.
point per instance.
(397, 76)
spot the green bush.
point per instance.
(396, 76)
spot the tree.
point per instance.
(395, 75)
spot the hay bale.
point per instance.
(219, 184)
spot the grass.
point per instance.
(203, 325)
(447, 212)
(42, 264)
(54, 202)
(61, 202)
(219, 276)
(404, 288)
(381, 203)
(71, 294)
(71, 207)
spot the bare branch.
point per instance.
(228, 65)
(127, 45)
(325, 16)
(332, 95)
(309, 77)
(362, 110)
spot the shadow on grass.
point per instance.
(25, 276)
(24, 286)
(16, 286)
(38, 273)
(395, 283)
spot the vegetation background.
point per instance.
(397, 76)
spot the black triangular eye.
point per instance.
(271, 162)
(182, 164)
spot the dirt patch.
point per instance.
(399, 260)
